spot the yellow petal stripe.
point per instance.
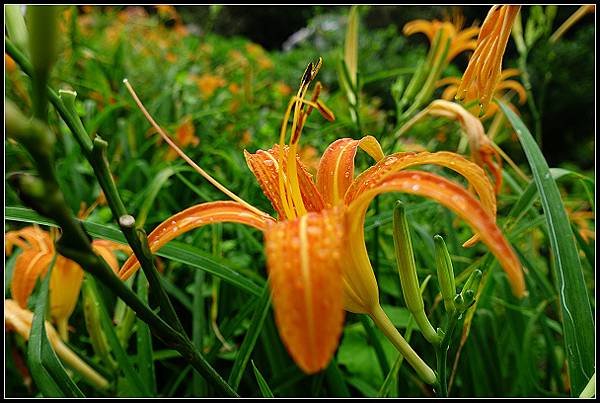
(336, 169)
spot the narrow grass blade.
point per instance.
(577, 317)
(198, 329)
(258, 319)
(134, 382)
(265, 391)
(46, 370)
(145, 362)
(335, 381)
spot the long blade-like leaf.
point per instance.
(46, 370)
(577, 320)
(265, 390)
(258, 319)
(132, 377)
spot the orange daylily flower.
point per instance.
(500, 91)
(37, 248)
(459, 40)
(485, 65)
(20, 319)
(317, 260)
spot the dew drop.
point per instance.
(390, 161)
(268, 162)
(415, 188)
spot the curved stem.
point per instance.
(389, 330)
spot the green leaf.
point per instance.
(145, 362)
(46, 370)
(578, 325)
(262, 384)
(256, 325)
(177, 251)
(132, 377)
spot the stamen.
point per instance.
(187, 159)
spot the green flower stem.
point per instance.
(441, 354)
(389, 330)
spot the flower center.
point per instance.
(289, 186)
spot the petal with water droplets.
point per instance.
(304, 261)
(195, 217)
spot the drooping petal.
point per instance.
(195, 217)
(29, 266)
(458, 200)
(106, 249)
(65, 283)
(396, 162)
(336, 170)
(482, 151)
(304, 262)
(265, 167)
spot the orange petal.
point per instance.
(336, 169)
(106, 249)
(65, 283)
(29, 266)
(265, 167)
(304, 261)
(396, 162)
(458, 200)
(194, 217)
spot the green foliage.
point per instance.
(218, 95)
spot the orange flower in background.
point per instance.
(9, 64)
(501, 90)
(459, 40)
(483, 72)
(209, 83)
(259, 55)
(582, 218)
(317, 260)
(283, 89)
(37, 252)
(185, 136)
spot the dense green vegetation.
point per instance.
(218, 95)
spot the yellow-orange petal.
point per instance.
(195, 217)
(304, 262)
(106, 249)
(459, 200)
(29, 266)
(396, 162)
(265, 167)
(429, 28)
(336, 169)
(65, 283)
